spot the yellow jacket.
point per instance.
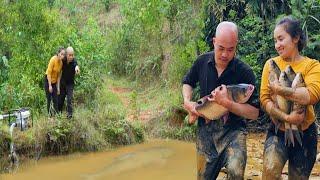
(54, 69)
(310, 70)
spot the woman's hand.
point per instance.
(274, 87)
(50, 89)
(296, 117)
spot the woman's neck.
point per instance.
(294, 57)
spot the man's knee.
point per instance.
(236, 167)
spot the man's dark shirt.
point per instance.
(204, 72)
(68, 72)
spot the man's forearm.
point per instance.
(187, 92)
(244, 110)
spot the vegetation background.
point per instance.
(140, 47)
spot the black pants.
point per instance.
(66, 90)
(221, 146)
(301, 158)
(51, 97)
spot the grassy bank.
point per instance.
(102, 125)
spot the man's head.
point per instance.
(69, 54)
(225, 42)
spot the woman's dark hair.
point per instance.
(59, 50)
(293, 28)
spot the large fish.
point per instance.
(285, 106)
(297, 82)
(274, 74)
(211, 110)
(286, 79)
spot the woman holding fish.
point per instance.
(290, 86)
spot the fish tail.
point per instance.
(296, 133)
(297, 136)
(277, 125)
(291, 137)
(287, 134)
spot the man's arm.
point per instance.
(76, 66)
(247, 111)
(188, 104)
(77, 69)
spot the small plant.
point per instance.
(106, 4)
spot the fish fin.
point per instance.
(286, 132)
(225, 118)
(297, 136)
(291, 138)
(301, 133)
(277, 125)
(288, 137)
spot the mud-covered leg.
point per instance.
(236, 155)
(208, 163)
(201, 165)
(302, 158)
(274, 157)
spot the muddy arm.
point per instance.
(299, 95)
(293, 118)
(188, 104)
(244, 110)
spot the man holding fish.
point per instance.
(290, 86)
(227, 87)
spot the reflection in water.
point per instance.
(154, 160)
(135, 160)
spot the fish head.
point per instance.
(240, 93)
(202, 101)
(284, 79)
(274, 67)
(290, 72)
(298, 81)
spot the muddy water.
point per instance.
(156, 159)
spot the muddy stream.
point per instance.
(155, 159)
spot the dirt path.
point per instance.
(130, 103)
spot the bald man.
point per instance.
(221, 143)
(69, 69)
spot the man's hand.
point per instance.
(190, 106)
(220, 95)
(77, 69)
(58, 91)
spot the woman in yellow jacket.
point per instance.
(52, 80)
(289, 42)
